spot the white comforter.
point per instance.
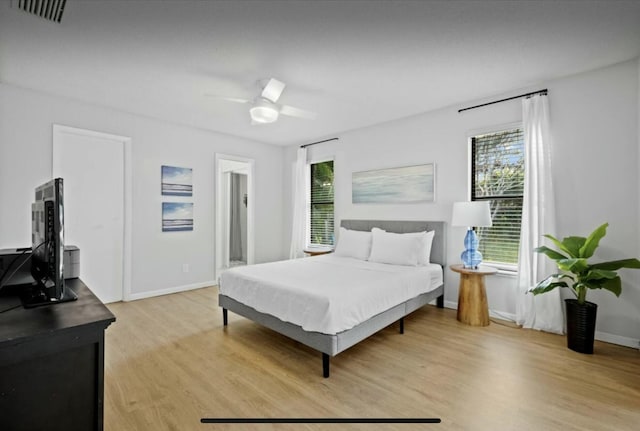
(327, 294)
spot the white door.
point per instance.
(91, 165)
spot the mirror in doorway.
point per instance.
(237, 219)
(234, 237)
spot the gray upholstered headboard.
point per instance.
(439, 247)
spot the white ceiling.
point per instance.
(355, 63)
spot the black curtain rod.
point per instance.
(504, 100)
(319, 142)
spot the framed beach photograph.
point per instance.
(177, 181)
(177, 216)
(408, 184)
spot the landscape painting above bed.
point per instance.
(408, 184)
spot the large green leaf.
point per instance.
(573, 265)
(558, 276)
(613, 285)
(550, 253)
(543, 287)
(618, 264)
(599, 274)
(592, 242)
(573, 244)
(560, 245)
(593, 284)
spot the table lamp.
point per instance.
(470, 214)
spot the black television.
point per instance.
(47, 248)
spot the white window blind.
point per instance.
(498, 176)
(321, 211)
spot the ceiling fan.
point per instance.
(265, 109)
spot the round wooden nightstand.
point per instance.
(473, 308)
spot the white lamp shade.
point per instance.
(470, 214)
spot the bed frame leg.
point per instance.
(325, 365)
(225, 319)
(440, 301)
(402, 325)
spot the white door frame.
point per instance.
(128, 194)
(219, 239)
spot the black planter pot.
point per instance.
(581, 325)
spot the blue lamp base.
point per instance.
(471, 257)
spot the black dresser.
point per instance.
(52, 363)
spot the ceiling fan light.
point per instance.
(263, 114)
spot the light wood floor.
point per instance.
(170, 362)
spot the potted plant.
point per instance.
(579, 275)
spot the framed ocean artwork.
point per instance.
(177, 181)
(408, 184)
(177, 216)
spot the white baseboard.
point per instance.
(169, 290)
(618, 339)
(450, 304)
(502, 315)
(600, 336)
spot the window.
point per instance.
(497, 175)
(321, 211)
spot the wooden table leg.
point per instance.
(473, 308)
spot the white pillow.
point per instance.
(395, 248)
(353, 243)
(426, 238)
(427, 241)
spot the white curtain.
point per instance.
(299, 221)
(542, 312)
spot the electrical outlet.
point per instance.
(185, 267)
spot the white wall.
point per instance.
(595, 122)
(26, 119)
(595, 131)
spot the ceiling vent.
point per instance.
(48, 9)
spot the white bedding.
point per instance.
(327, 294)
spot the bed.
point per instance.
(262, 292)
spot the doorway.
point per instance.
(95, 168)
(234, 212)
